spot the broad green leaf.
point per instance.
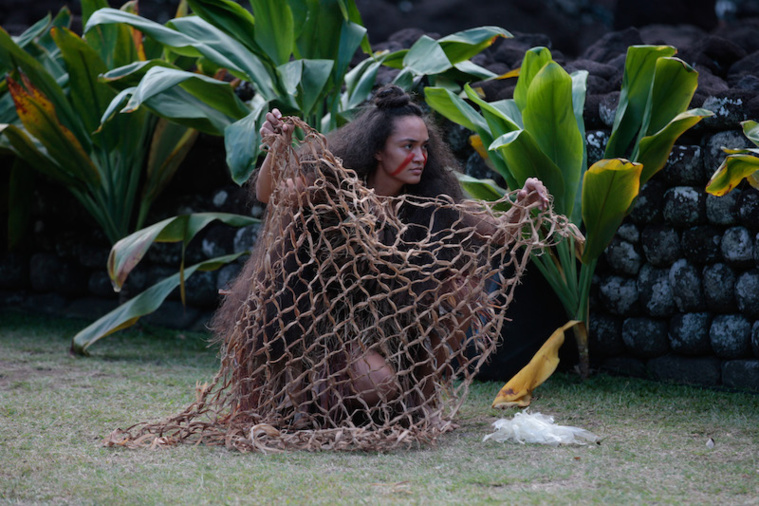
(350, 39)
(43, 80)
(217, 94)
(33, 154)
(90, 6)
(637, 80)
(732, 171)
(674, 84)
(130, 75)
(481, 189)
(549, 117)
(655, 149)
(214, 43)
(34, 31)
(579, 88)
(466, 70)
(242, 140)
(751, 130)
(143, 304)
(499, 122)
(454, 108)
(88, 96)
(305, 81)
(38, 114)
(274, 31)
(231, 18)
(534, 60)
(609, 188)
(525, 159)
(127, 253)
(461, 46)
(426, 57)
(359, 83)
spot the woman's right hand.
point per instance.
(275, 126)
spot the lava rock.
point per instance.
(14, 271)
(647, 207)
(689, 333)
(719, 283)
(738, 247)
(748, 209)
(755, 338)
(655, 292)
(605, 337)
(722, 210)
(173, 315)
(741, 374)
(628, 232)
(607, 108)
(685, 166)
(596, 144)
(619, 295)
(645, 337)
(625, 366)
(623, 257)
(612, 45)
(661, 245)
(684, 205)
(732, 139)
(703, 371)
(685, 281)
(701, 244)
(200, 289)
(729, 108)
(730, 336)
(747, 293)
(245, 238)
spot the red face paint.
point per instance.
(404, 164)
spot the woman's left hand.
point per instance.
(534, 191)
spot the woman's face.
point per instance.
(403, 158)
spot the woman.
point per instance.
(373, 294)
(394, 149)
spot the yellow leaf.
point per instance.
(518, 390)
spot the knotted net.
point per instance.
(351, 326)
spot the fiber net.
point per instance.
(352, 327)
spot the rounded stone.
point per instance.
(605, 337)
(741, 374)
(596, 144)
(704, 371)
(685, 166)
(687, 290)
(245, 238)
(623, 257)
(730, 336)
(722, 210)
(645, 337)
(689, 333)
(755, 338)
(748, 209)
(747, 293)
(43, 271)
(713, 155)
(719, 282)
(684, 205)
(727, 111)
(738, 247)
(647, 207)
(700, 244)
(99, 284)
(619, 295)
(628, 232)
(200, 289)
(655, 292)
(661, 245)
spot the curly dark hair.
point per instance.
(357, 143)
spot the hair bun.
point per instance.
(391, 97)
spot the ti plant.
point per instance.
(540, 133)
(293, 54)
(58, 102)
(739, 164)
(287, 51)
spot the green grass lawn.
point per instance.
(55, 411)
